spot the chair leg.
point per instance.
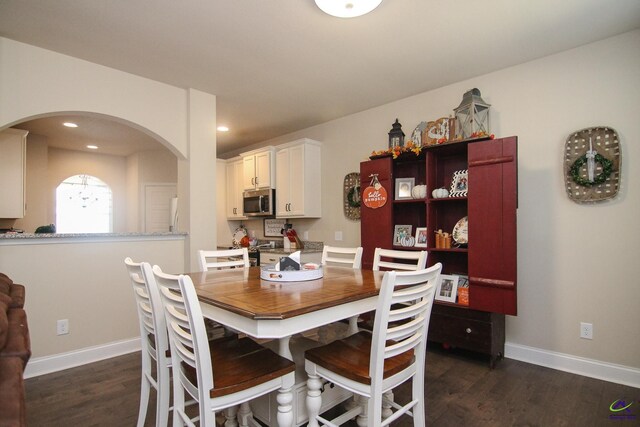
(386, 407)
(162, 397)
(145, 388)
(178, 403)
(419, 410)
(244, 414)
(314, 398)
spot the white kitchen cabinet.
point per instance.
(13, 164)
(258, 169)
(234, 189)
(298, 179)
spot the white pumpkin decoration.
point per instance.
(419, 192)
(440, 193)
(408, 241)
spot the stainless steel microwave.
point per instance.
(259, 202)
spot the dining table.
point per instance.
(275, 310)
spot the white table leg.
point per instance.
(285, 407)
(314, 399)
(283, 348)
(353, 326)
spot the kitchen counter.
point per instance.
(14, 239)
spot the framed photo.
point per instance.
(459, 184)
(447, 288)
(273, 227)
(421, 237)
(400, 232)
(404, 187)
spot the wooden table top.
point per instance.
(243, 292)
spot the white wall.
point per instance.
(575, 262)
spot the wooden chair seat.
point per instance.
(350, 357)
(241, 364)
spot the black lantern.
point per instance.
(472, 115)
(396, 136)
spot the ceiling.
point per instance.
(281, 66)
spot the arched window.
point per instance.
(84, 205)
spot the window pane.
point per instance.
(83, 205)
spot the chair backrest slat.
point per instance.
(345, 256)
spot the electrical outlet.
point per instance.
(305, 235)
(63, 327)
(338, 236)
(586, 330)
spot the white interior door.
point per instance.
(157, 206)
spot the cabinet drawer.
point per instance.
(460, 332)
(266, 258)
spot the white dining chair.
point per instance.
(346, 257)
(334, 255)
(224, 258)
(220, 260)
(219, 374)
(372, 364)
(155, 346)
(386, 259)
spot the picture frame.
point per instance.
(447, 288)
(401, 231)
(273, 227)
(421, 237)
(404, 187)
(459, 184)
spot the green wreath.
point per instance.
(350, 196)
(607, 169)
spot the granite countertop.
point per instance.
(8, 236)
(309, 247)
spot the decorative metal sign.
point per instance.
(374, 196)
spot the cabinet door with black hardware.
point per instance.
(492, 205)
(376, 224)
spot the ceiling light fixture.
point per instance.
(347, 8)
(93, 147)
(70, 125)
(222, 129)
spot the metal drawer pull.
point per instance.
(468, 330)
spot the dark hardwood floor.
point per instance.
(460, 391)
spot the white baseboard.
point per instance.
(619, 374)
(45, 365)
(564, 362)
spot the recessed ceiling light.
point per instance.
(93, 147)
(222, 129)
(347, 8)
(70, 125)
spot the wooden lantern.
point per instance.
(472, 116)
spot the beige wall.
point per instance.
(575, 262)
(36, 82)
(85, 281)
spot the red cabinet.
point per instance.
(489, 259)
